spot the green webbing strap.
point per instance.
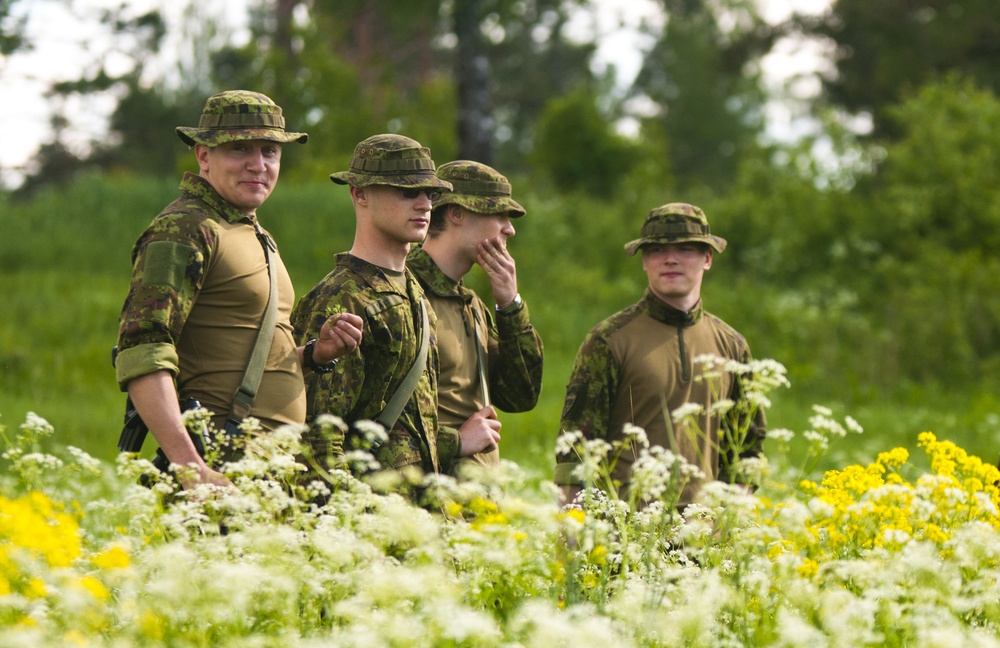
(484, 383)
(394, 408)
(245, 120)
(247, 392)
(363, 164)
(481, 187)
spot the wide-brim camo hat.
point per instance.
(676, 223)
(239, 115)
(479, 188)
(391, 160)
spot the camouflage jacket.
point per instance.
(511, 348)
(196, 299)
(363, 382)
(639, 361)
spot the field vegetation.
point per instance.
(879, 297)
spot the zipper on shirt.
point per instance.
(685, 369)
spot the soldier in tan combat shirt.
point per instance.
(200, 285)
(487, 356)
(637, 366)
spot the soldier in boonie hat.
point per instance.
(479, 188)
(236, 115)
(391, 160)
(676, 223)
(643, 364)
(392, 186)
(205, 275)
(489, 357)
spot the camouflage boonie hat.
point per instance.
(676, 223)
(391, 160)
(478, 188)
(239, 115)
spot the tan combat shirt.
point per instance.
(636, 367)
(510, 346)
(196, 300)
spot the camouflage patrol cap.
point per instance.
(239, 115)
(478, 188)
(392, 160)
(676, 223)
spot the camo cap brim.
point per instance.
(391, 160)
(676, 223)
(478, 188)
(236, 116)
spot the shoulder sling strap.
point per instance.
(484, 383)
(247, 391)
(394, 408)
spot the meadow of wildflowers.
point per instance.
(880, 554)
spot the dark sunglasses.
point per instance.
(411, 192)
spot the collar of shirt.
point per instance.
(372, 274)
(664, 312)
(435, 281)
(203, 190)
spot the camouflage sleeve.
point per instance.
(515, 360)
(169, 262)
(449, 447)
(590, 396)
(335, 392)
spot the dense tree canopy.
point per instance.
(484, 78)
(886, 48)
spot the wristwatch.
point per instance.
(310, 363)
(511, 307)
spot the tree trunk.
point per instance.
(472, 71)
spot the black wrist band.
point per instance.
(310, 363)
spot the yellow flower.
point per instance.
(481, 506)
(36, 523)
(114, 557)
(934, 533)
(95, 587)
(491, 519)
(894, 458)
(808, 568)
(151, 626)
(36, 588)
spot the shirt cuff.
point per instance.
(514, 321)
(449, 446)
(143, 360)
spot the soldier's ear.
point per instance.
(201, 154)
(455, 213)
